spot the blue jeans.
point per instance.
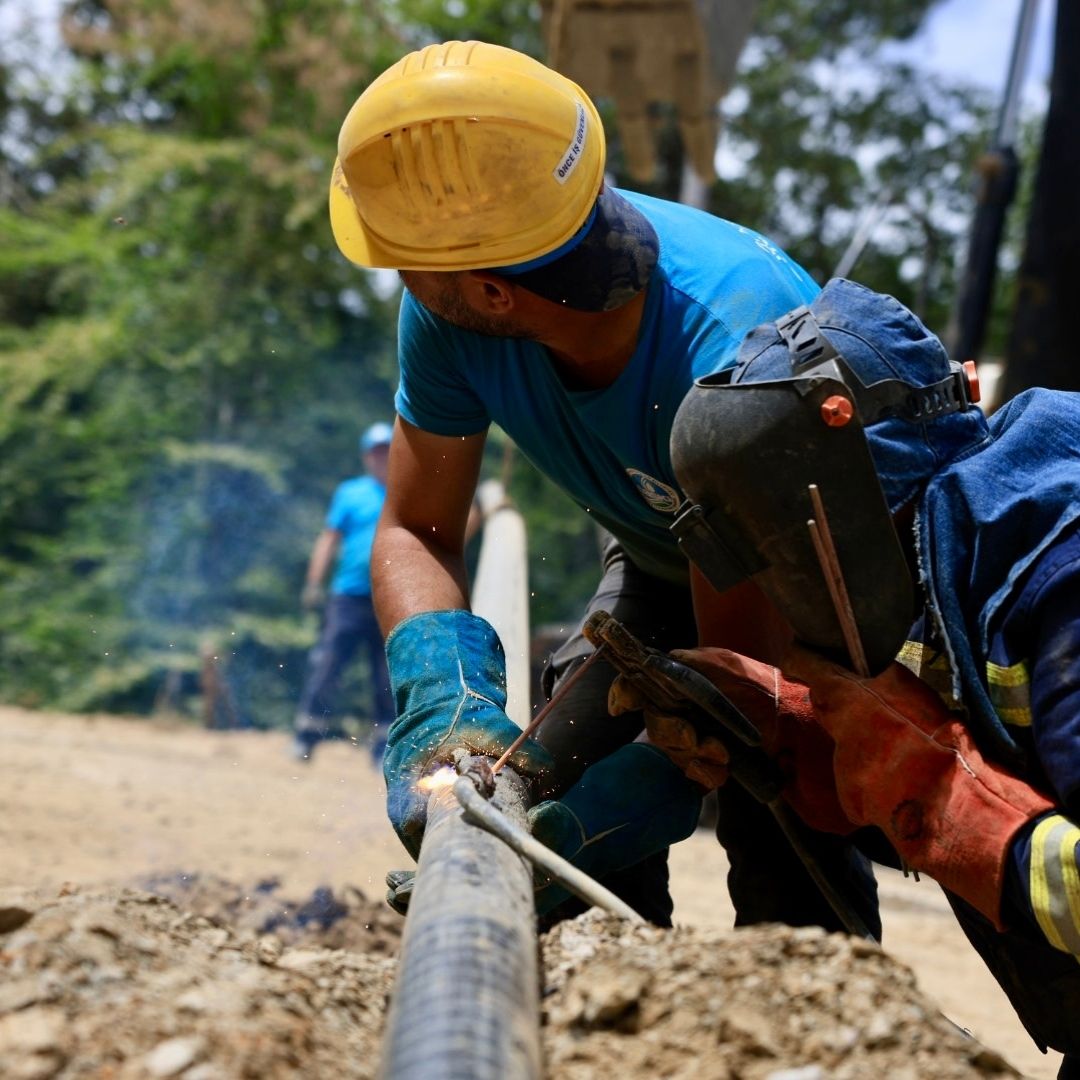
(348, 626)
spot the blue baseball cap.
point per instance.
(379, 434)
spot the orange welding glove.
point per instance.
(778, 707)
(702, 759)
(907, 765)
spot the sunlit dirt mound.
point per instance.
(125, 985)
(762, 1002)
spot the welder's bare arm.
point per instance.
(417, 561)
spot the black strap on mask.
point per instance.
(813, 354)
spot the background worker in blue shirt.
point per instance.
(349, 623)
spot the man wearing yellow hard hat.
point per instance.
(576, 317)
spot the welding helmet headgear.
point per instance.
(914, 403)
(854, 397)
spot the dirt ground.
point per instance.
(225, 824)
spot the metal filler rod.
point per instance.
(834, 579)
(845, 613)
(542, 715)
(479, 812)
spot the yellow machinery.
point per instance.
(642, 52)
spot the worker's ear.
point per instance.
(488, 293)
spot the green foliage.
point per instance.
(186, 360)
(902, 137)
(799, 32)
(183, 374)
(507, 22)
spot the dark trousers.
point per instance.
(579, 732)
(1042, 983)
(767, 880)
(348, 626)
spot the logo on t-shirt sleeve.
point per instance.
(661, 497)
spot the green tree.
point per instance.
(186, 360)
(823, 124)
(183, 348)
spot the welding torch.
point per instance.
(673, 687)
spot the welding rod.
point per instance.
(834, 578)
(539, 718)
(479, 812)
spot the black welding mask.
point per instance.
(775, 458)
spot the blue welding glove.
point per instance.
(629, 805)
(448, 676)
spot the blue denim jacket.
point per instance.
(990, 496)
(984, 519)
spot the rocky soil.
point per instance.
(762, 1003)
(176, 902)
(127, 985)
(124, 984)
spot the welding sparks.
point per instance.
(436, 781)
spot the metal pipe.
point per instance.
(1005, 135)
(997, 178)
(500, 592)
(466, 1004)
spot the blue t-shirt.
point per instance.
(609, 449)
(354, 512)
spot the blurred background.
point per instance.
(186, 361)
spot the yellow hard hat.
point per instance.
(465, 155)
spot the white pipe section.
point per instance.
(500, 592)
